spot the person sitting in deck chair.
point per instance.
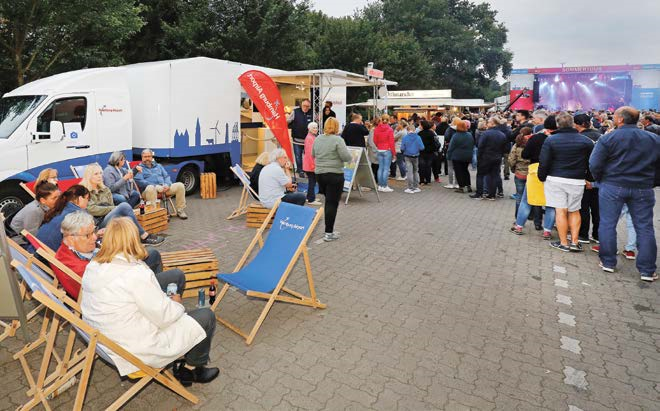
(154, 180)
(274, 184)
(123, 299)
(79, 247)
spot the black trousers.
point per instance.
(331, 185)
(462, 173)
(425, 167)
(311, 186)
(589, 213)
(436, 165)
(199, 354)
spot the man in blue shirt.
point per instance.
(153, 179)
(625, 164)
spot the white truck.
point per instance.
(187, 111)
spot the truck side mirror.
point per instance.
(56, 131)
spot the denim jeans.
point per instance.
(122, 210)
(133, 198)
(401, 163)
(384, 160)
(294, 198)
(311, 186)
(298, 151)
(631, 244)
(413, 172)
(524, 209)
(520, 188)
(640, 202)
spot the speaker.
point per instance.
(535, 94)
(627, 95)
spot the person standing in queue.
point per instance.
(330, 153)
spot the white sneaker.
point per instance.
(330, 237)
(380, 188)
(314, 203)
(455, 186)
(387, 190)
(400, 179)
(409, 191)
(449, 186)
(417, 190)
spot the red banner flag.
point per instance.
(266, 97)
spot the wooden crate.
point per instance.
(256, 214)
(200, 266)
(208, 188)
(154, 220)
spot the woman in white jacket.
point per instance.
(122, 298)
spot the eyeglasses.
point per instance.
(88, 235)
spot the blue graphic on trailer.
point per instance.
(231, 144)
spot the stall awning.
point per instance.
(337, 78)
(416, 103)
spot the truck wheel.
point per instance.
(13, 199)
(189, 176)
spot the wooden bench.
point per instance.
(154, 220)
(209, 187)
(200, 266)
(256, 214)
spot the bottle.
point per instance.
(141, 207)
(212, 292)
(201, 298)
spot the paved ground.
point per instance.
(432, 305)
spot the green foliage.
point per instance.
(42, 37)
(421, 44)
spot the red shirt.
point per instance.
(69, 259)
(384, 138)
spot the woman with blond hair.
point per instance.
(123, 299)
(330, 153)
(101, 205)
(47, 174)
(262, 161)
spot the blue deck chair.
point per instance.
(97, 344)
(245, 195)
(265, 276)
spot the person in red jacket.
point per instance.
(384, 141)
(79, 247)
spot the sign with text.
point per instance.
(374, 73)
(358, 173)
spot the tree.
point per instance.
(41, 37)
(463, 41)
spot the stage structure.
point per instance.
(586, 88)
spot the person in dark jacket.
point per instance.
(355, 132)
(262, 161)
(493, 145)
(449, 169)
(426, 156)
(460, 154)
(589, 207)
(563, 167)
(298, 121)
(511, 138)
(626, 165)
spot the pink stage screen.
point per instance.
(584, 91)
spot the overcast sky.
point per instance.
(546, 33)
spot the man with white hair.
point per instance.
(538, 117)
(154, 180)
(79, 247)
(275, 185)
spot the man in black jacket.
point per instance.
(355, 132)
(298, 120)
(563, 166)
(589, 208)
(492, 146)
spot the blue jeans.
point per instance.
(133, 198)
(401, 163)
(122, 210)
(631, 244)
(298, 151)
(520, 188)
(384, 160)
(524, 209)
(640, 202)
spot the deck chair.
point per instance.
(78, 171)
(35, 242)
(166, 200)
(29, 187)
(245, 195)
(265, 276)
(96, 344)
(62, 184)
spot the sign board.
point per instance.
(374, 73)
(358, 173)
(419, 94)
(11, 303)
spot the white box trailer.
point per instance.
(187, 111)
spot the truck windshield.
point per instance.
(14, 110)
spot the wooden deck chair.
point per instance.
(97, 344)
(265, 276)
(23, 256)
(36, 243)
(245, 195)
(29, 187)
(63, 185)
(78, 171)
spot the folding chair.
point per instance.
(78, 171)
(36, 243)
(29, 187)
(264, 277)
(97, 344)
(63, 185)
(247, 192)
